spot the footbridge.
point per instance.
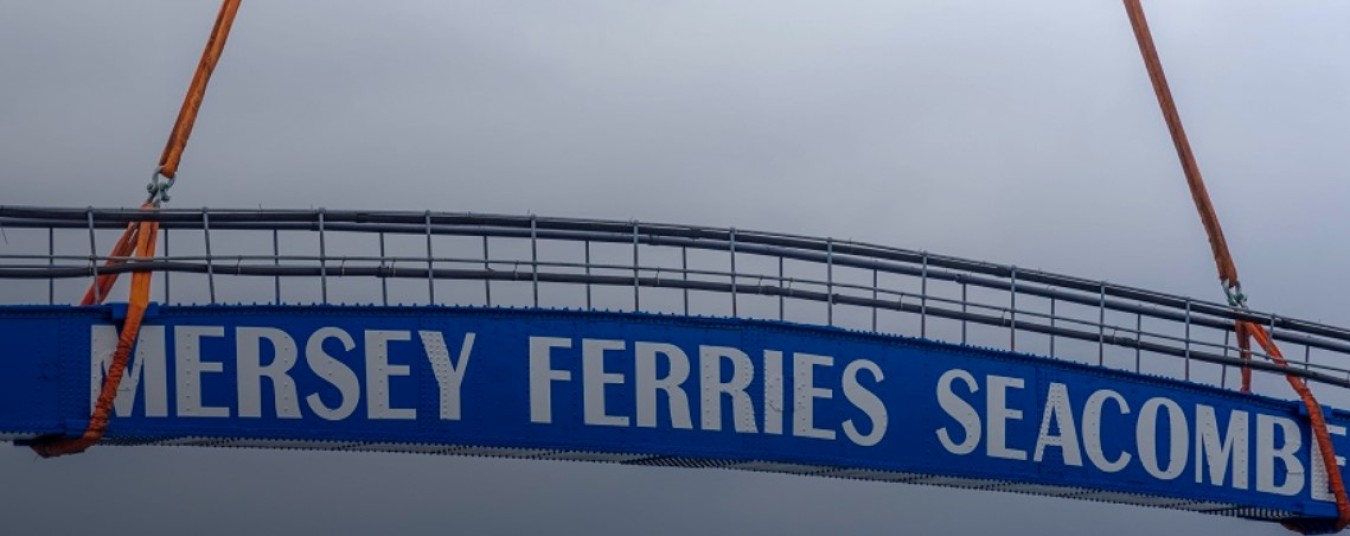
(662, 345)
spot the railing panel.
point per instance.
(49, 255)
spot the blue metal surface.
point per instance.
(792, 398)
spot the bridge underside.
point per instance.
(659, 460)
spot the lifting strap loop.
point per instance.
(144, 236)
(126, 245)
(1223, 260)
(140, 238)
(1319, 427)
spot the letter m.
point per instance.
(146, 367)
(1217, 455)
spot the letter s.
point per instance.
(960, 410)
(333, 372)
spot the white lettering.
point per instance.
(999, 414)
(1321, 486)
(250, 372)
(713, 388)
(648, 384)
(147, 365)
(1092, 430)
(594, 380)
(960, 410)
(773, 392)
(334, 372)
(542, 376)
(805, 393)
(190, 367)
(1146, 438)
(1218, 455)
(1058, 410)
(449, 377)
(865, 400)
(1267, 453)
(378, 372)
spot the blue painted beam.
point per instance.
(666, 390)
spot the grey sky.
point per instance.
(1015, 132)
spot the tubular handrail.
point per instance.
(830, 254)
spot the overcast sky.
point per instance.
(1014, 132)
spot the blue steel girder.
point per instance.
(645, 389)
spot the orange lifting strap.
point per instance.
(187, 115)
(141, 235)
(1224, 260)
(140, 239)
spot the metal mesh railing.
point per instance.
(49, 255)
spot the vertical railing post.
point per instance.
(1101, 325)
(384, 278)
(637, 290)
(93, 256)
(684, 270)
(167, 272)
(1138, 341)
(276, 261)
(588, 278)
(1272, 327)
(1223, 371)
(734, 309)
(431, 277)
(923, 298)
(534, 259)
(782, 288)
(210, 260)
(487, 273)
(1052, 326)
(965, 306)
(51, 261)
(323, 255)
(1012, 308)
(874, 300)
(829, 280)
(1187, 343)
